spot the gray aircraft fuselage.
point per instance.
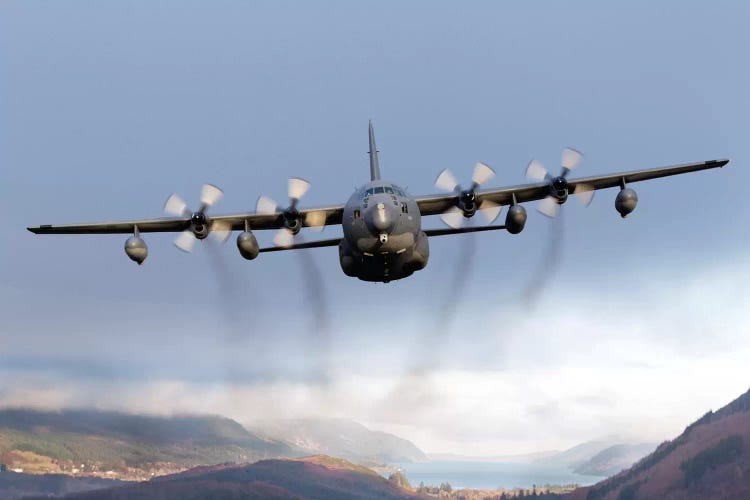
(383, 238)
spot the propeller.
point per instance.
(558, 186)
(200, 225)
(466, 205)
(550, 206)
(315, 294)
(293, 221)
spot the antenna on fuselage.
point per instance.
(374, 167)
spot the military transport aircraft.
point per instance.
(383, 236)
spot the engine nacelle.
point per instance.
(626, 201)
(516, 219)
(199, 225)
(136, 249)
(247, 245)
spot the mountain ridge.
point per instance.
(341, 438)
(710, 459)
(122, 445)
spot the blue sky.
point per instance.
(107, 108)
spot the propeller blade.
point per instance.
(316, 219)
(482, 173)
(297, 188)
(185, 241)
(549, 207)
(446, 181)
(536, 171)
(571, 158)
(265, 205)
(584, 193)
(284, 238)
(490, 210)
(453, 217)
(176, 206)
(210, 194)
(221, 231)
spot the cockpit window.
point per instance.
(370, 191)
(379, 190)
(388, 190)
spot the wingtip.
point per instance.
(44, 228)
(715, 163)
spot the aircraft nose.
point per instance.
(382, 218)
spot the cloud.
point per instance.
(640, 362)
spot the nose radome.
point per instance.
(382, 217)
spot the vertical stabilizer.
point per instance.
(374, 167)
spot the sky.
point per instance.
(107, 108)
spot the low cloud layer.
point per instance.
(640, 364)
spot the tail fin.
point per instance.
(374, 167)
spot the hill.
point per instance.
(710, 459)
(14, 486)
(341, 438)
(120, 445)
(576, 456)
(614, 459)
(311, 478)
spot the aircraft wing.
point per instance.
(310, 217)
(428, 205)
(437, 204)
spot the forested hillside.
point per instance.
(112, 444)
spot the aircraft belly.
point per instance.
(389, 267)
(408, 256)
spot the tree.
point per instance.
(446, 487)
(399, 479)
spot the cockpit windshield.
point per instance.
(392, 190)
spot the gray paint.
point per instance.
(374, 166)
(383, 238)
(626, 201)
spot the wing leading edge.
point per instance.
(437, 204)
(322, 216)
